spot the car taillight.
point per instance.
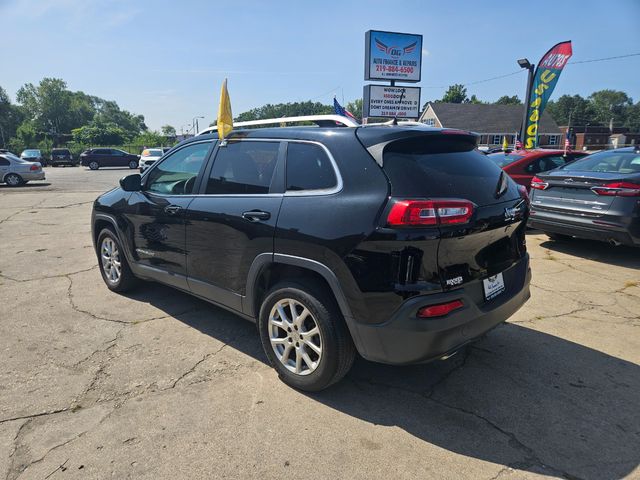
(439, 310)
(33, 168)
(539, 184)
(618, 189)
(430, 212)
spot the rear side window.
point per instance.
(244, 167)
(544, 164)
(4, 162)
(611, 162)
(309, 168)
(443, 166)
(100, 151)
(503, 159)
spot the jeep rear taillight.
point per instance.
(618, 189)
(439, 310)
(430, 212)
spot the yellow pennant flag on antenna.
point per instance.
(505, 144)
(225, 118)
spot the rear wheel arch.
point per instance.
(268, 270)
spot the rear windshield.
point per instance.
(443, 167)
(503, 159)
(606, 161)
(60, 151)
(155, 153)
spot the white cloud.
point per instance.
(425, 52)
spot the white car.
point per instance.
(149, 156)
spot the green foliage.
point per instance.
(610, 104)
(151, 139)
(455, 94)
(10, 118)
(99, 133)
(355, 108)
(285, 110)
(475, 100)
(579, 109)
(168, 131)
(507, 100)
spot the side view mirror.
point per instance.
(131, 183)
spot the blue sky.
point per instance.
(167, 59)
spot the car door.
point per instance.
(102, 156)
(117, 158)
(156, 214)
(4, 167)
(233, 219)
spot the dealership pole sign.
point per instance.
(544, 81)
(392, 56)
(387, 101)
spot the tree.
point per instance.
(455, 94)
(109, 112)
(507, 100)
(168, 131)
(10, 118)
(150, 139)
(285, 110)
(355, 108)
(475, 100)
(99, 133)
(633, 117)
(610, 104)
(48, 106)
(579, 109)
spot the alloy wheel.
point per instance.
(295, 336)
(110, 256)
(13, 180)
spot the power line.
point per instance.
(604, 59)
(476, 82)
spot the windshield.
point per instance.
(504, 159)
(152, 152)
(60, 151)
(31, 153)
(606, 161)
(11, 156)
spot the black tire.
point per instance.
(13, 180)
(93, 165)
(338, 351)
(133, 164)
(127, 280)
(558, 237)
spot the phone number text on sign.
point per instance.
(393, 69)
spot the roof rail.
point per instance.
(320, 120)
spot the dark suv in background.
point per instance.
(96, 158)
(401, 243)
(62, 156)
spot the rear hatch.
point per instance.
(479, 212)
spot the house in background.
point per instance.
(491, 122)
(594, 137)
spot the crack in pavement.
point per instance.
(46, 277)
(193, 368)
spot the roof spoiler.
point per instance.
(320, 120)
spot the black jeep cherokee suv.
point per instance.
(402, 243)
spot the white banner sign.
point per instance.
(383, 101)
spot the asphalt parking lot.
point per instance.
(157, 384)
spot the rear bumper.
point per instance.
(591, 232)
(29, 176)
(407, 339)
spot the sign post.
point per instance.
(392, 57)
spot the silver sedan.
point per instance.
(15, 172)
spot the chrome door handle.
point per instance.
(172, 209)
(256, 215)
